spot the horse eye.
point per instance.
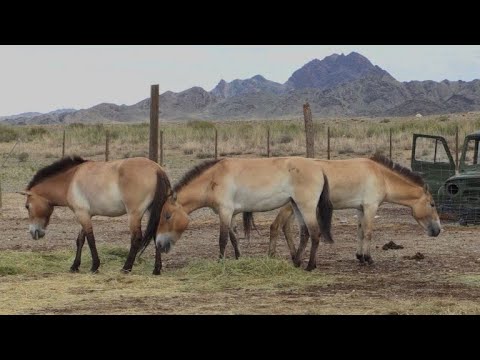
(26, 206)
(168, 216)
(432, 204)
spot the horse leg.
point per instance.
(78, 256)
(158, 261)
(360, 236)
(314, 231)
(283, 220)
(287, 231)
(225, 222)
(234, 241)
(367, 227)
(85, 220)
(134, 223)
(297, 261)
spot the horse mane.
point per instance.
(195, 172)
(53, 169)
(399, 169)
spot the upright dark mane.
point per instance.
(55, 168)
(194, 173)
(399, 169)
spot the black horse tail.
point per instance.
(155, 208)
(249, 224)
(325, 212)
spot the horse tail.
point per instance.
(155, 208)
(325, 212)
(247, 224)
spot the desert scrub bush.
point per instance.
(36, 132)
(22, 157)
(8, 134)
(285, 139)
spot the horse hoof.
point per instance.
(361, 258)
(156, 272)
(368, 259)
(310, 268)
(74, 270)
(297, 263)
(126, 271)
(94, 271)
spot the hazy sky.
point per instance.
(45, 78)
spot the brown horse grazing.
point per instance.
(129, 186)
(364, 184)
(230, 186)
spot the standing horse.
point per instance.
(129, 186)
(364, 184)
(230, 186)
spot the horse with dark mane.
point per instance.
(129, 186)
(363, 184)
(230, 186)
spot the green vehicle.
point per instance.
(457, 194)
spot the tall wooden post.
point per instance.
(63, 144)
(161, 148)
(107, 145)
(328, 143)
(309, 132)
(268, 141)
(390, 143)
(216, 144)
(153, 144)
(456, 148)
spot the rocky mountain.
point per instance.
(338, 85)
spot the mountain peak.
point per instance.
(333, 70)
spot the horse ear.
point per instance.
(426, 188)
(26, 193)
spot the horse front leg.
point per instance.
(225, 222)
(158, 261)
(134, 223)
(78, 256)
(234, 241)
(367, 227)
(360, 237)
(85, 220)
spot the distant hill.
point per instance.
(338, 85)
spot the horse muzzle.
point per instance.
(434, 230)
(36, 233)
(164, 242)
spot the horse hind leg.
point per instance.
(297, 260)
(78, 256)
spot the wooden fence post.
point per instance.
(268, 141)
(107, 145)
(390, 143)
(153, 144)
(309, 131)
(328, 143)
(161, 147)
(63, 144)
(456, 149)
(216, 144)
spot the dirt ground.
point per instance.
(445, 281)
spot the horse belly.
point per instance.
(260, 200)
(108, 207)
(106, 201)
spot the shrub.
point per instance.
(22, 157)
